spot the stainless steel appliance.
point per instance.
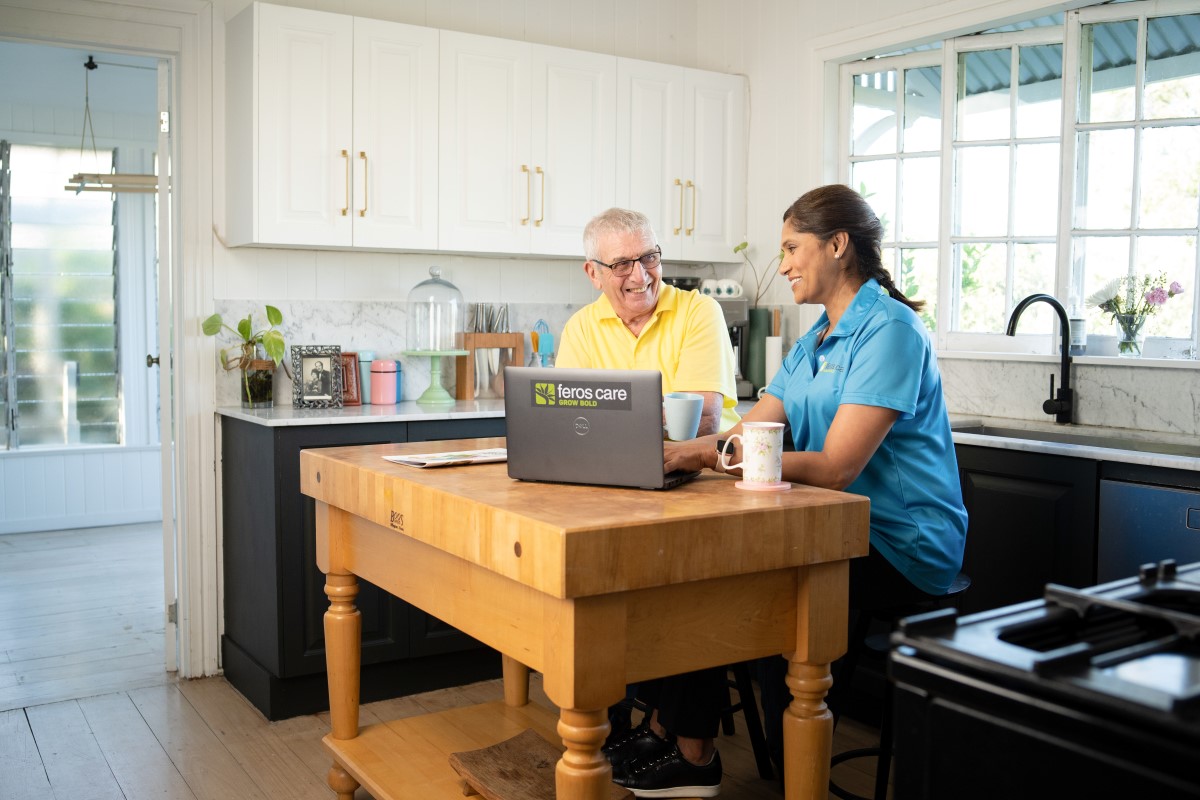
(1084, 693)
(737, 320)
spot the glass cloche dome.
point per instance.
(435, 314)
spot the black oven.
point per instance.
(1085, 693)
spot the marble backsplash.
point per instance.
(1143, 397)
(352, 325)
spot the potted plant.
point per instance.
(257, 356)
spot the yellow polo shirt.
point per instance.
(686, 340)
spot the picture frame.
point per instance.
(316, 376)
(351, 385)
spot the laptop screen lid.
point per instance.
(591, 426)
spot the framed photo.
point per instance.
(316, 376)
(351, 388)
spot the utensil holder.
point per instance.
(466, 371)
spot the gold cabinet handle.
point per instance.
(542, 213)
(528, 189)
(679, 183)
(363, 155)
(346, 208)
(691, 186)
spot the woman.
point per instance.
(863, 396)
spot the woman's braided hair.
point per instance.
(828, 209)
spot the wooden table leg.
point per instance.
(516, 681)
(583, 773)
(343, 657)
(807, 732)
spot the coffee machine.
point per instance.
(737, 321)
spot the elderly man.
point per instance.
(638, 322)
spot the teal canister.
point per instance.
(365, 357)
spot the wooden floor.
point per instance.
(69, 727)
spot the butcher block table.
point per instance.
(594, 587)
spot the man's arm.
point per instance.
(710, 416)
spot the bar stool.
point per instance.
(861, 641)
(746, 703)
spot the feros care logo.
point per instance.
(583, 394)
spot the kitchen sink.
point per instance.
(1085, 439)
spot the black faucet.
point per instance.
(1061, 405)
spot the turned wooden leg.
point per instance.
(583, 773)
(807, 732)
(516, 682)
(341, 782)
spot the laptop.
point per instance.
(593, 426)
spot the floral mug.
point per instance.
(762, 456)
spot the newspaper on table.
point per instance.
(453, 459)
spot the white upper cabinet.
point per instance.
(681, 155)
(527, 145)
(331, 131)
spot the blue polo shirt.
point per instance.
(880, 355)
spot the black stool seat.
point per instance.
(880, 643)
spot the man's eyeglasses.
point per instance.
(649, 261)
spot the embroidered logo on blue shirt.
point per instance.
(829, 366)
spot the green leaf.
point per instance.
(212, 325)
(244, 330)
(741, 247)
(273, 315)
(273, 343)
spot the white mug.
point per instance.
(762, 456)
(682, 411)
(709, 287)
(726, 287)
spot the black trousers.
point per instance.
(690, 704)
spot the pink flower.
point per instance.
(1176, 288)
(1156, 296)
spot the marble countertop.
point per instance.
(1144, 439)
(408, 411)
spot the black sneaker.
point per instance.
(671, 775)
(639, 742)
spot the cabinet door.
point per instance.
(650, 176)
(302, 109)
(1031, 521)
(395, 135)
(574, 145)
(714, 154)
(486, 174)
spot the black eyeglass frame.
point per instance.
(616, 267)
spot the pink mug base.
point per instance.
(782, 486)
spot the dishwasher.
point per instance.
(1140, 524)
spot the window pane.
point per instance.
(1172, 67)
(1170, 175)
(982, 191)
(874, 114)
(1106, 79)
(918, 279)
(1039, 96)
(922, 109)
(1036, 211)
(982, 279)
(1033, 272)
(876, 181)
(919, 209)
(1105, 174)
(1173, 256)
(1103, 259)
(983, 95)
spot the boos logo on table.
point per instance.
(582, 394)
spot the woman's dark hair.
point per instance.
(828, 209)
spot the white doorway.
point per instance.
(110, 466)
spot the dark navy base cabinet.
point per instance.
(273, 647)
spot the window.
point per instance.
(61, 375)
(1050, 157)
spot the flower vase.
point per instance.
(258, 383)
(1129, 334)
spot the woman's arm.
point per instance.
(854, 435)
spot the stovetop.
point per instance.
(1131, 645)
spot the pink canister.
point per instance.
(384, 382)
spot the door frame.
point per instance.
(180, 31)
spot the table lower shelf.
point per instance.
(409, 758)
